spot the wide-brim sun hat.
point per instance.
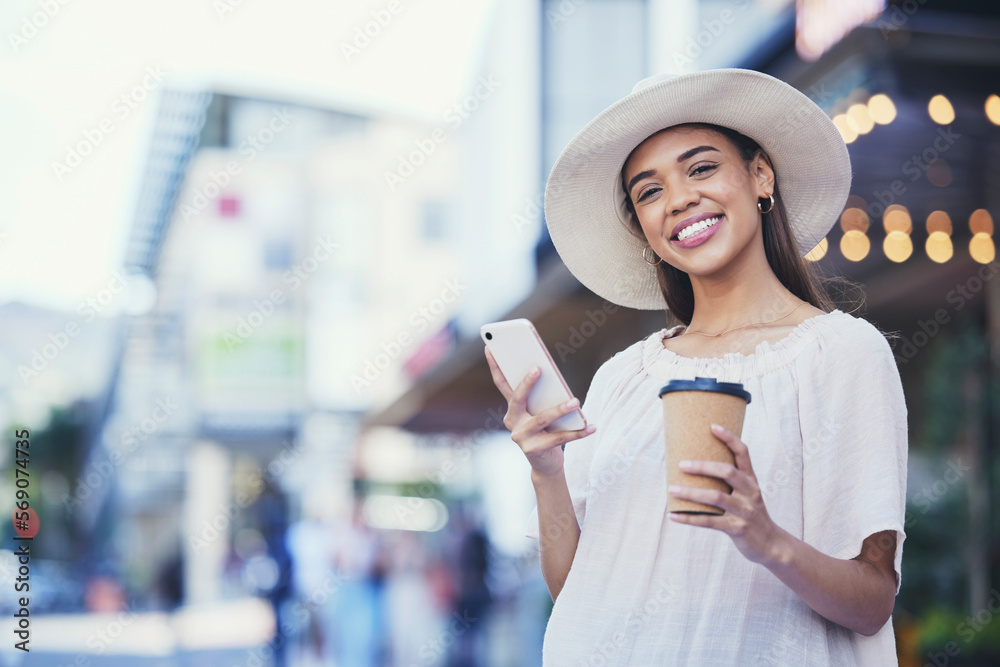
(585, 205)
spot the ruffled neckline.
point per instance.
(766, 357)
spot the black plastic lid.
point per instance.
(706, 384)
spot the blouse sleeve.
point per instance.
(854, 430)
(579, 453)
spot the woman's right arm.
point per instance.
(558, 530)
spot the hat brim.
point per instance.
(585, 205)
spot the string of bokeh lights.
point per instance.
(861, 118)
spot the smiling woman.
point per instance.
(720, 159)
(670, 200)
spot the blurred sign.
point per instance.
(819, 24)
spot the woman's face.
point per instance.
(685, 175)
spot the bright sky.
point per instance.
(62, 235)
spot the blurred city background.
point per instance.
(246, 249)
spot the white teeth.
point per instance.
(697, 227)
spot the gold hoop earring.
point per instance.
(761, 208)
(649, 247)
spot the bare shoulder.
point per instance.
(806, 312)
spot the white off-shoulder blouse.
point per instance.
(827, 433)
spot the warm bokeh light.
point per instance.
(854, 218)
(938, 247)
(819, 252)
(881, 108)
(981, 222)
(897, 246)
(993, 109)
(939, 173)
(862, 118)
(846, 126)
(982, 249)
(939, 221)
(854, 245)
(854, 201)
(940, 110)
(897, 219)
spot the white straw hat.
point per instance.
(585, 204)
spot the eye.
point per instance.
(647, 192)
(703, 169)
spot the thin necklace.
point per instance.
(745, 325)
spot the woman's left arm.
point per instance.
(858, 593)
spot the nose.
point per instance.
(681, 197)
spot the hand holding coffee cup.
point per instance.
(689, 409)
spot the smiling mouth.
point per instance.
(691, 230)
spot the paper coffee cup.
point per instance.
(690, 407)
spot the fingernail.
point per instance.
(717, 428)
(535, 371)
(590, 428)
(674, 489)
(571, 403)
(685, 465)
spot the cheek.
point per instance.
(734, 194)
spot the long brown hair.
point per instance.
(801, 278)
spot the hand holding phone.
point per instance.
(517, 348)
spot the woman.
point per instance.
(802, 568)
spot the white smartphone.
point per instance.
(517, 348)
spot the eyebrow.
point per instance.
(686, 155)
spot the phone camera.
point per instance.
(489, 336)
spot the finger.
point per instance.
(562, 437)
(538, 423)
(544, 418)
(498, 378)
(739, 449)
(715, 521)
(519, 399)
(727, 472)
(724, 501)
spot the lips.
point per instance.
(693, 220)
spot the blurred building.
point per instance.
(305, 258)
